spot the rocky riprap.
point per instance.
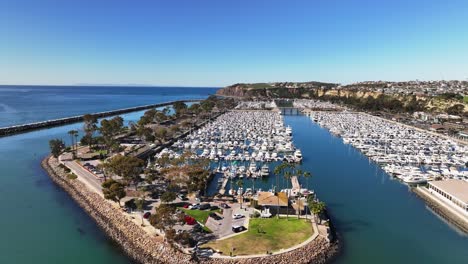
(144, 248)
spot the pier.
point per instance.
(295, 183)
(6, 131)
(222, 190)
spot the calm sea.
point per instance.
(26, 104)
(379, 219)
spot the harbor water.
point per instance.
(379, 219)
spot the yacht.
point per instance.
(253, 167)
(298, 155)
(265, 171)
(414, 180)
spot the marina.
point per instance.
(239, 144)
(410, 155)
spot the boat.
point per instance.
(414, 180)
(265, 170)
(253, 167)
(298, 155)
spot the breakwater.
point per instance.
(6, 131)
(143, 248)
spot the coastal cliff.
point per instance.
(335, 92)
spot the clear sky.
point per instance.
(217, 43)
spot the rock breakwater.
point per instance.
(144, 248)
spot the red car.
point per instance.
(146, 215)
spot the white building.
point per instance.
(455, 192)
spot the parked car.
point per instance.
(215, 216)
(146, 215)
(237, 229)
(205, 206)
(238, 216)
(195, 206)
(225, 206)
(182, 197)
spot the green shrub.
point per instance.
(71, 176)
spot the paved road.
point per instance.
(85, 176)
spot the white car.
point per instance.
(238, 216)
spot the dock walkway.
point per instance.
(295, 183)
(222, 191)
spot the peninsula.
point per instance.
(183, 184)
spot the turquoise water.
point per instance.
(379, 220)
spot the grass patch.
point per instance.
(265, 235)
(199, 215)
(71, 176)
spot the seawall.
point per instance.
(6, 131)
(441, 210)
(143, 248)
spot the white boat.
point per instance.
(253, 167)
(415, 180)
(298, 155)
(265, 171)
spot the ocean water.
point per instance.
(379, 219)
(26, 104)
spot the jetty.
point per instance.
(222, 190)
(295, 183)
(6, 131)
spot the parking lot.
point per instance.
(222, 228)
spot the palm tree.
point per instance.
(287, 177)
(307, 175)
(73, 136)
(240, 184)
(280, 170)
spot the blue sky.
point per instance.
(217, 43)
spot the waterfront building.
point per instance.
(455, 192)
(270, 200)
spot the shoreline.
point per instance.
(142, 248)
(18, 129)
(439, 208)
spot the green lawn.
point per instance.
(265, 235)
(199, 215)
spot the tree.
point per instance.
(195, 108)
(307, 175)
(89, 127)
(73, 134)
(282, 169)
(456, 109)
(127, 167)
(56, 147)
(240, 184)
(179, 107)
(168, 197)
(287, 176)
(161, 133)
(164, 217)
(113, 190)
(109, 129)
(316, 207)
(140, 203)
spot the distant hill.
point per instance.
(434, 96)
